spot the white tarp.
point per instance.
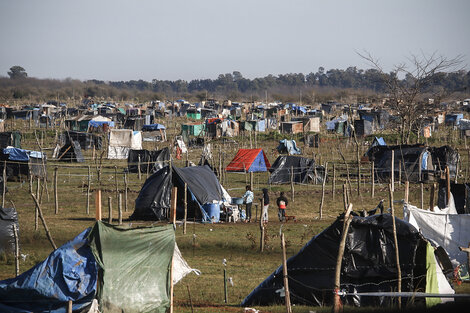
(121, 141)
(450, 231)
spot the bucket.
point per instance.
(213, 211)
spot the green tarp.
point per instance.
(135, 266)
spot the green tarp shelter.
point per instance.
(135, 267)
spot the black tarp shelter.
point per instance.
(153, 201)
(10, 139)
(150, 161)
(86, 140)
(304, 170)
(460, 193)
(8, 218)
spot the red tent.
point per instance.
(249, 160)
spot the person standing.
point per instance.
(248, 200)
(265, 205)
(282, 205)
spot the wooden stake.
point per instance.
(125, 192)
(422, 196)
(185, 207)
(190, 299)
(116, 182)
(372, 180)
(69, 306)
(431, 197)
(174, 194)
(392, 171)
(333, 184)
(261, 227)
(120, 209)
(4, 182)
(320, 213)
(138, 169)
(292, 183)
(48, 234)
(339, 259)
(98, 205)
(397, 256)
(345, 197)
(407, 191)
(17, 250)
(36, 212)
(88, 193)
(448, 185)
(285, 275)
(251, 181)
(110, 210)
(56, 195)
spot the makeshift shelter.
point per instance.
(71, 152)
(369, 265)
(295, 127)
(205, 194)
(288, 146)
(192, 129)
(460, 195)
(104, 268)
(249, 160)
(8, 218)
(155, 131)
(123, 140)
(304, 170)
(23, 162)
(150, 161)
(87, 141)
(443, 157)
(100, 124)
(10, 139)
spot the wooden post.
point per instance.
(333, 184)
(174, 194)
(422, 196)
(292, 183)
(397, 256)
(116, 182)
(120, 209)
(320, 213)
(256, 212)
(457, 168)
(17, 251)
(110, 210)
(56, 195)
(98, 205)
(431, 197)
(448, 185)
(69, 306)
(399, 173)
(285, 275)
(407, 191)
(138, 169)
(372, 180)
(185, 207)
(36, 212)
(171, 278)
(251, 181)
(125, 192)
(190, 299)
(88, 193)
(339, 259)
(345, 197)
(4, 182)
(261, 227)
(48, 234)
(225, 286)
(392, 171)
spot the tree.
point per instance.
(17, 72)
(406, 96)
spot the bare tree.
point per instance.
(407, 82)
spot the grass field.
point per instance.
(205, 245)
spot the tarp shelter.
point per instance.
(304, 170)
(123, 140)
(449, 231)
(378, 141)
(369, 265)
(203, 188)
(288, 146)
(107, 263)
(86, 140)
(193, 129)
(363, 127)
(10, 139)
(460, 195)
(100, 124)
(445, 156)
(71, 152)
(249, 160)
(150, 161)
(415, 162)
(8, 218)
(22, 162)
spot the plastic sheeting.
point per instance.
(368, 264)
(288, 146)
(304, 169)
(150, 161)
(8, 218)
(68, 273)
(135, 264)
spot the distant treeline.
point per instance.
(284, 87)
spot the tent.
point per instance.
(445, 156)
(368, 266)
(288, 146)
(104, 265)
(10, 139)
(123, 140)
(23, 162)
(460, 194)
(150, 161)
(87, 141)
(8, 218)
(204, 194)
(71, 152)
(249, 160)
(305, 170)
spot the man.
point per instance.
(248, 200)
(266, 205)
(282, 205)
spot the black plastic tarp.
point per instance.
(368, 264)
(10, 139)
(150, 161)
(8, 218)
(304, 170)
(71, 153)
(460, 192)
(86, 140)
(445, 156)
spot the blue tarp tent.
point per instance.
(152, 127)
(68, 273)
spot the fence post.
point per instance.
(372, 175)
(88, 193)
(285, 275)
(56, 195)
(110, 210)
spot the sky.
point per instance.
(116, 40)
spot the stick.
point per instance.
(225, 287)
(185, 207)
(285, 275)
(48, 234)
(395, 240)
(116, 182)
(171, 279)
(345, 197)
(36, 213)
(120, 209)
(88, 193)
(98, 205)
(110, 210)
(431, 197)
(174, 194)
(125, 192)
(17, 251)
(292, 183)
(69, 306)
(448, 184)
(190, 299)
(323, 191)
(333, 185)
(4, 183)
(372, 175)
(261, 227)
(422, 196)
(138, 169)
(407, 191)
(392, 170)
(339, 259)
(56, 195)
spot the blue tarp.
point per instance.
(100, 123)
(288, 146)
(68, 273)
(16, 154)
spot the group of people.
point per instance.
(281, 202)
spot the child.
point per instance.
(248, 200)
(282, 205)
